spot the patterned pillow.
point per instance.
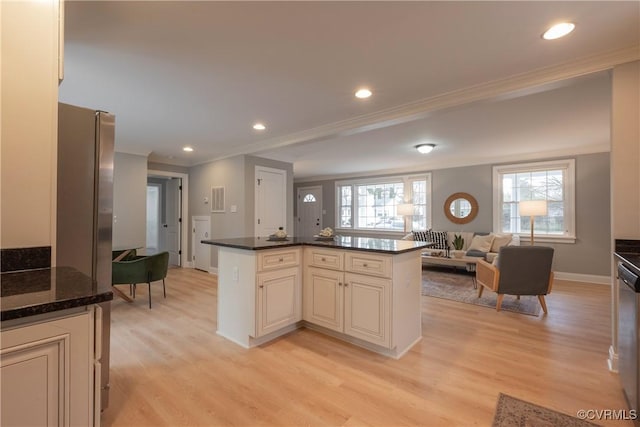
(421, 236)
(439, 238)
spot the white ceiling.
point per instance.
(201, 73)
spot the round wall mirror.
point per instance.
(461, 208)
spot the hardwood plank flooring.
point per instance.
(169, 368)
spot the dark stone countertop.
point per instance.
(628, 251)
(32, 292)
(386, 246)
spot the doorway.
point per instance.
(167, 232)
(309, 211)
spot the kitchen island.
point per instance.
(50, 347)
(363, 290)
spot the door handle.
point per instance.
(206, 234)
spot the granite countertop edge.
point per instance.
(250, 244)
(33, 310)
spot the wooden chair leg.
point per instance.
(543, 303)
(134, 291)
(130, 288)
(480, 289)
(499, 302)
(164, 290)
(518, 297)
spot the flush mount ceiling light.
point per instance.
(187, 149)
(259, 126)
(558, 30)
(363, 93)
(425, 148)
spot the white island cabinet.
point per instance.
(365, 291)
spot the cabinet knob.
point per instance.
(339, 283)
(261, 286)
(346, 284)
(365, 265)
(323, 259)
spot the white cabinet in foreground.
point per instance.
(48, 369)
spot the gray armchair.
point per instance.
(520, 270)
(141, 269)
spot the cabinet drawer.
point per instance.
(365, 263)
(271, 260)
(325, 259)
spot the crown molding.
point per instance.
(423, 108)
(133, 152)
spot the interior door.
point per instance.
(271, 200)
(173, 214)
(201, 251)
(309, 211)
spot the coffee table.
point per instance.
(468, 262)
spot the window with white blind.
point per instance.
(372, 204)
(552, 181)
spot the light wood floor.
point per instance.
(169, 368)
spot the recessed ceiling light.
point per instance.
(187, 149)
(425, 148)
(363, 93)
(558, 30)
(259, 126)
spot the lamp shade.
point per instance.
(404, 209)
(533, 208)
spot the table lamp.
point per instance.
(404, 210)
(533, 208)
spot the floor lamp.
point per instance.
(405, 210)
(533, 208)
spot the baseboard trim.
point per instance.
(589, 278)
(213, 270)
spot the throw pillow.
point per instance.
(439, 238)
(481, 243)
(421, 236)
(500, 240)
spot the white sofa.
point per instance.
(486, 246)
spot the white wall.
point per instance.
(29, 82)
(129, 200)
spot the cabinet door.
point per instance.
(278, 302)
(324, 298)
(33, 383)
(367, 308)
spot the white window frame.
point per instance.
(569, 192)
(407, 181)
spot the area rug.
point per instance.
(512, 412)
(458, 286)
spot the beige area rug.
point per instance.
(512, 412)
(458, 286)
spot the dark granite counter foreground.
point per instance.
(628, 251)
(387, 246)
(32, 292)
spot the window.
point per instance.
(309, 198)
(371, 204)
(553, 181)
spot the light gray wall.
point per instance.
(227, 173)
(589, 255)
(237, 175)
(129, 200)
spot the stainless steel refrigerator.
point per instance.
(85, 205)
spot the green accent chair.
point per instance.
(141, 269)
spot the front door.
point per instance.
(271, 200)
(309, 211)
